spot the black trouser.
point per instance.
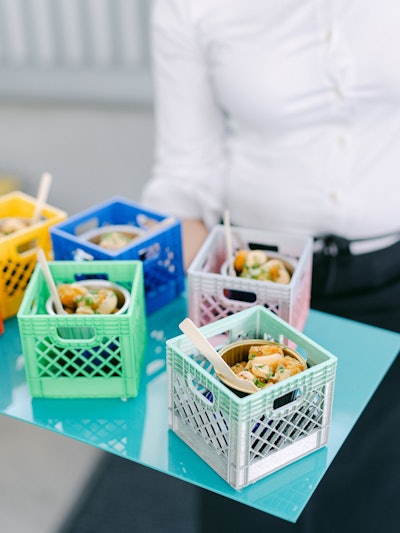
(361, 287)
(360, 491)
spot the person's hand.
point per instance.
(194, 234)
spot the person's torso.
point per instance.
(311, 92)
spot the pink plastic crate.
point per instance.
(213, 295)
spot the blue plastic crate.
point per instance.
(160, 250)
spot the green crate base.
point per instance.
(106, 364)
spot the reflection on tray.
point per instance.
(285, 492)
(111, 424)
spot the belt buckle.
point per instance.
(332, 245)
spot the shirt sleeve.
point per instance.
(189, 161)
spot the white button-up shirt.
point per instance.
(285, 111)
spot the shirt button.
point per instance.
(342, 140)
(338, 92)
(328, 36)
(333, 197)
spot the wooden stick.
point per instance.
(50, 283)
(228, 240)
(41, 197)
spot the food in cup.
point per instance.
(11, 225)
(268, 364)
(88, 296)
(258, 265)
(113, 237)
(115, 240)
(82, 300)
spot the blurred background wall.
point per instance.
(76, 101)
(76, 97)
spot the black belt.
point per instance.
(332, 244)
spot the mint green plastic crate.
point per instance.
(247, 438)
(109, 362)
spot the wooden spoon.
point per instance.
(41, 197)
(228, 242)
(152, 224)
(162, 224)
(50, 283)
(210, 353)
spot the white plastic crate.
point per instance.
(245, 439)
(213, 295)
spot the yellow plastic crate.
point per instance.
(18, 250)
